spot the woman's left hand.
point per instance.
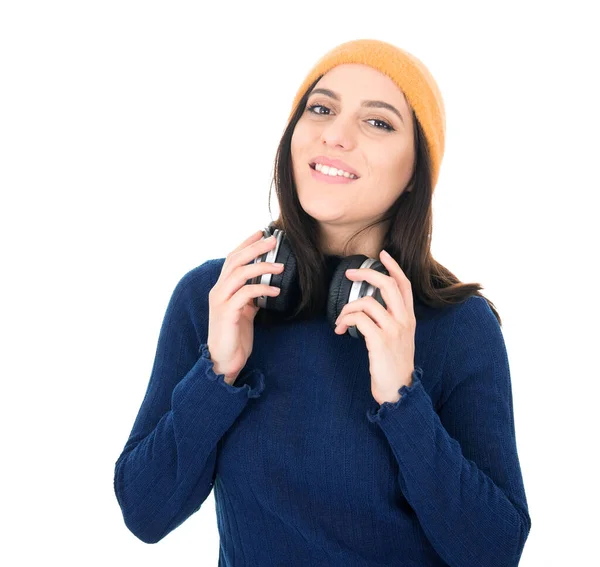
(389, 333)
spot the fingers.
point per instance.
(254, 238)
(240, 267)
(242, 275)
(249, 250)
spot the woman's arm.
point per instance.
(166, 469)
(460, 470)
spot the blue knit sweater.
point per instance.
(307, 468)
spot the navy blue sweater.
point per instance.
(307, 468)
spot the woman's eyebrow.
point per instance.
(369, 103)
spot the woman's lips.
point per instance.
(330, 178)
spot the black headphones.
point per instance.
(341, 289)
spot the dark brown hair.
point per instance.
(408, 238)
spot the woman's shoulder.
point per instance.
(475, 307)
(473, 329)
(476, 315)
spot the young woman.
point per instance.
(342, 418)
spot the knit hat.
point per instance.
(408, 72)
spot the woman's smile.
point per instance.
(335, 179)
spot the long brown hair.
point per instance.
(408, 238)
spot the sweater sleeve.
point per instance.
(166, 468)
(460, 470)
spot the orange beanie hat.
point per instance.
(408, 72)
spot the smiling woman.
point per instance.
(398, 449)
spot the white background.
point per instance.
(137, 141)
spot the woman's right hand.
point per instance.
(231, 305)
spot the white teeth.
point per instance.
(326, 170)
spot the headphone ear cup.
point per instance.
(342, 290)
(340, 286)
(287, 280)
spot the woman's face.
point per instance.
(342, 127)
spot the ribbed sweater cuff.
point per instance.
(252, 382)
(375, 415)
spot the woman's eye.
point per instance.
(311, 108)
(386, 125)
